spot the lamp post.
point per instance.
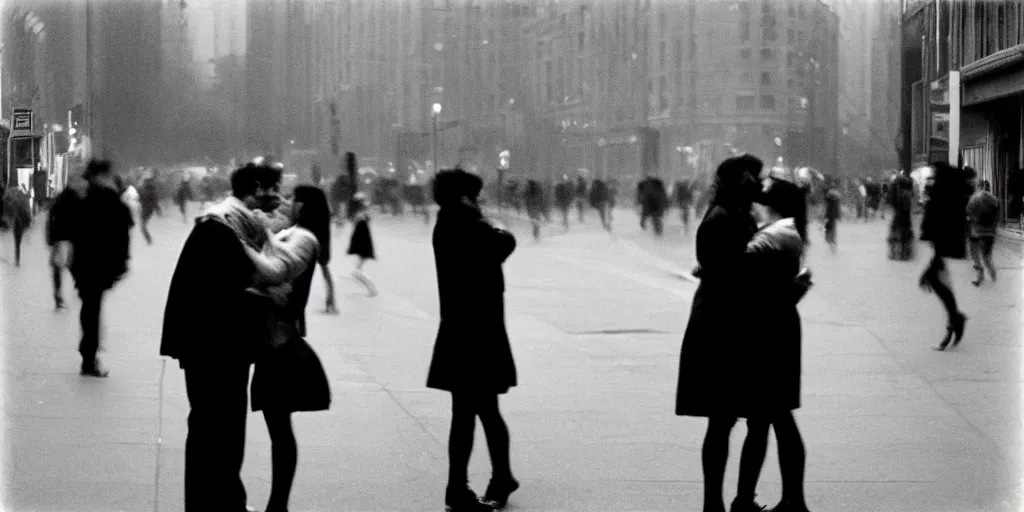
(503, 164)
(435, 113)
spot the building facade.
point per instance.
(984, 42)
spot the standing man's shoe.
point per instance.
(94, 369)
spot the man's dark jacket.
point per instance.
(59, 221)
(100, 236)
(206, 312)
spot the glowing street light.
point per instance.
(436, 109)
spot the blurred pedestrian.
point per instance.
(599, 201)
(983, 213)
(361, 243)
(653, 200)
(534, 205)
(901, 228)
(472, 357)
(715, 369)
(833, 212)
(581, 196)
(149, 200)
(182, 197)
(288, 375)
(773, 262)
(214, 327)
(99, 254)
(59, 227)
(17, 212)
(944, 225)
(683, 196)
(564, 198)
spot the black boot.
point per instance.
(464, 500)
(959, 323)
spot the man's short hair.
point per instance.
(97, 168)
(451, 185)
(246, 179)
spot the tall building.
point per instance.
(217, 29)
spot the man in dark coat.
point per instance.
(472, 357)
(564, 198)
(653, 201)
(683, 195)
(713, 372)
(945, 226)
(99, 240)
(59, 223)
(599, 201)
(209, 328)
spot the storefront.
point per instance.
(990, 127)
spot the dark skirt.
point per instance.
(290, 378)
(361, 243)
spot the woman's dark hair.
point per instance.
(789, 200)
(451, 185)
(246, 179)
(729, 177)
(97, 167)
(315, 215)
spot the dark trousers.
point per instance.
(218, 395)
(19, 233)
(92, 302)
(936, 276)
(58, 281)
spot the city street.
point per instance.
(596, 322)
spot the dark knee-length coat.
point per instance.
(472, 351)
(714, 368)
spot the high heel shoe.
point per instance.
(465, 501)
(498, 492)
(945, 341)
(959, 323)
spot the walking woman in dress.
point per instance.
(714, 370)
(472, 357)
(361, 244)
(288, 376)
(945, 226)
(772, 262)
(901, 228)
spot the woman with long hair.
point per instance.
(288, 376)
(472, 356)
(714, 371)
(772, 263)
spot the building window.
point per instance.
(766, 78)
(580, 39)
(767, 102)
(791, 11)
(744, 31)
(768, 35)
(747, 78)
(744, 102)
(767, 55)
(790, 36)
(661, 54)
(662, 94)
(802, 12)
(745, 53)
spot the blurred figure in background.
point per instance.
(100, 247)
(59, 223)
(17, 212)
(182, 197)
(983, 214)
(564, 198)
(833, 212)
(944, 225)
(653, 200)
(901, 228)
(361, 243)
(599, 201)
(534, 205)
(683, 196)
(149, 199)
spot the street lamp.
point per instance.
(435, 110)
(503, 163)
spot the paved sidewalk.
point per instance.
(889, 424)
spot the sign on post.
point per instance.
(21, 120)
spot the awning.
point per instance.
(994, 76)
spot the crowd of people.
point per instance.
(253, 255)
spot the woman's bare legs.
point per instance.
(284, 455)
(714, 456)
(364, 279)
(329, 281)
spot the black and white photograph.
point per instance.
(588, 255)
